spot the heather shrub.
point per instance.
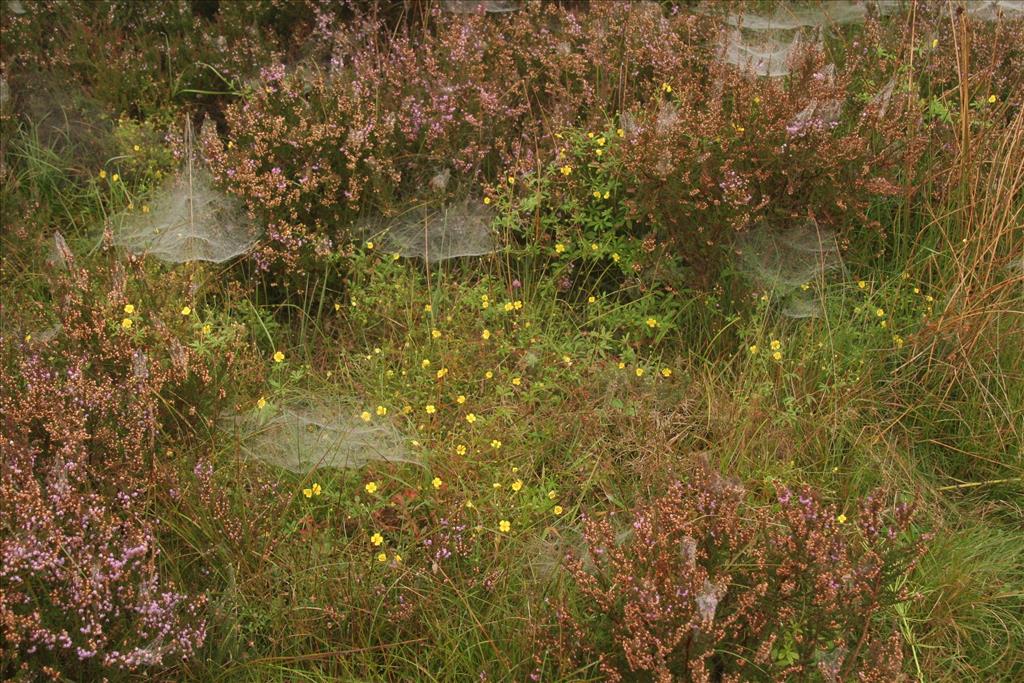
(458, 98)
(701, 584)
(474, 99)
(82, 588)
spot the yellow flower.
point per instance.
(207, 328)
(261, 403)
(504, 526)
(622, 366)
(559, 248)
(442, 372)
(517, 304)
(382, 557)
(185, 310)
(591, 299)
(615, 255)
(495, 444)
(398, 558)
(129, 309)
(486, 334)
(552, 494)
(880, 312)
(278, 357)
(621, 133)
(517, 485)
(862, 284)
(308, 493)
(145, 208)
(431, 409)
(594, 246)
(469, 504)
(639, 372)
(884, 324)
(598, 152)
(753, 349)
(460, 399)
(665, 87)
(841, 519)
(652, 323)
(436, 482)
(115, 177)
(382, 411)
(316, 489)
(371, 487)
(376, 539)
(496, 485)
(516, 381)
(777, 355)
(396, 256)
(898, 341)
(337, 306)
(776, 345)
(365, 416)
(557, 510)
(601, 141)
(511, 180)
(126, 324)
(436, 334)
(103, 174)
(425, 363)
(666, 372)
(757, 99)
(566, 170)
(567, 360)
(935, 43)
(597, 195)
(488, 375)
(470, 418)
(369, 246)
(487, 200)
(460, 449)
(508, 307)
(135, 148)
(992, 99)
(427, 308)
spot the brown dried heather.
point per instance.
(702, 585)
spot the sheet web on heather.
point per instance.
(788, 262)
(438, 233)
(189, 220)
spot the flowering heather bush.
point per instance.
(703, 586)
(483, 97)
(81, 590)
(462, 94)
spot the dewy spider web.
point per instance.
(316, 433)
(188, 220)
(438, 233)
(788, 262)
